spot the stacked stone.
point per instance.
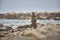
(33, 20)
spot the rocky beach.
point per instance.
(42, 32)
(30, 26)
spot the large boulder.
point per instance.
(5, 30)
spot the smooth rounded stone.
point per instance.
(1, 25)
(3, 33)
(52, 37)
(50, 29)
(5, 30)
(1, 38)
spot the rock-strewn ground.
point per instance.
(45, 32)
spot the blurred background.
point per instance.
(29, 5)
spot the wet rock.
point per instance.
(5, 30)
(1, 25)
(22, 27)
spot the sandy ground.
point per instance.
(12, 36)
(46, 32)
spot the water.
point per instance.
(17, 22)
(14, 22)
(48, 21)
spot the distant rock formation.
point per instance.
(10, 15)
(1, 15)
(49, 15)
(40, 15)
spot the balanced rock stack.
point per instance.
(33, 20)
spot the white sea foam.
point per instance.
(16, 22)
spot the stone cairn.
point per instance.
(33, 20)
